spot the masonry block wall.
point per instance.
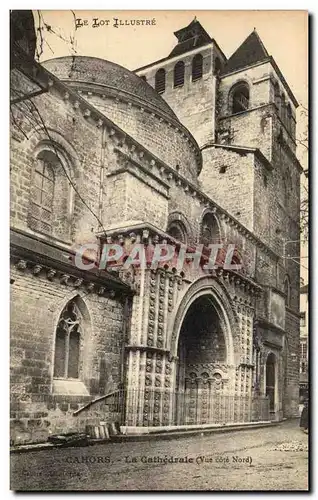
(161, 136)
(66, 127)
(193, 102)
(138, 169)
(228, 178)
(38, 410)
(253, 127)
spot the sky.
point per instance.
(284, 34)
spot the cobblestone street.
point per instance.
(259, 459)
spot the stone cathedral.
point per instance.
(195, 148)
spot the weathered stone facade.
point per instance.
(182, 346)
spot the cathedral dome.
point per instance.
(111, 76)
(133, 105)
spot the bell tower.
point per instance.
(188, 79)
(255, 104)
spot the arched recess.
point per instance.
(179, 227)
(211, 289)
(271, 381)
(283, 110)
(71, 354)
(277, 96)
(289, 117)
(52, 196)
(239, 97)
(210, 229)
(217, 66)
(287, 188)
(160, 81)
(178, 74)
(287, 290)
(177, 230)
(197, 67)
(59, 143)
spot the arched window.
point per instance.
(287, 188)
(178, 74)
(287, 291)
(177, 230)
(210, 232)
(277, 96)
(240, 98)
(217, 66)
(160, 81)
(283, 108)
(67, 342)
(51, 194)
(197, 67)
(289, 117)
(271, 380)
(42, 194)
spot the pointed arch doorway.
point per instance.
(201, 374)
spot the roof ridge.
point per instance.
(250, 51)
(261, 42)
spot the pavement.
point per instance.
(263, 459)
(164, 433)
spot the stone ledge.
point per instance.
(164, 434)
(63, 387)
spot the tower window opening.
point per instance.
(178, 74)
(288, 117)
(283, 109)
(277, 96)
(241, 98)
(197, 67)
(160, 81)
(217, 66)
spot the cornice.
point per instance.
(163, 171)
(241, 150)
(147, 234)
(262, 322)
(97, 118)
(56, 264)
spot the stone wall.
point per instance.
(161, 137)
(37, 407)
(193, 102)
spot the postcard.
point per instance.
(159, 250)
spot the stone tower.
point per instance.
(188, 79)
(242, 113)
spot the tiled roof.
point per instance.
(251, 51)
(189, 38)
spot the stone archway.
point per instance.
(201, 372)
(202, 343)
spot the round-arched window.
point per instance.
(240, 97)
(160, 81)
(177, 230)
(210, 232)
(178, 74)
(197, 67)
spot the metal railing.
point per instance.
(161, 407)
